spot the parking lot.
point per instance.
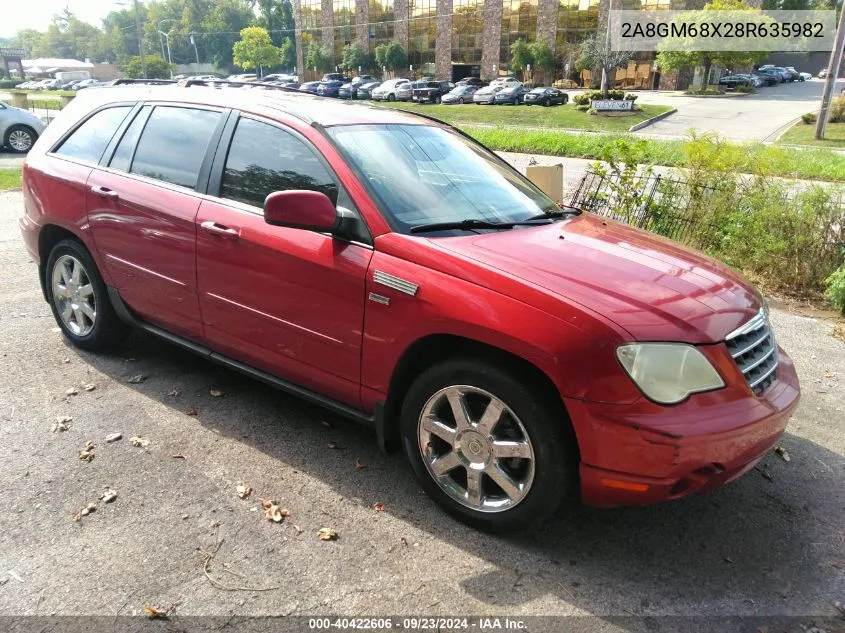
(178, 535)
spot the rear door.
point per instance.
(142, 203)
(288, 301)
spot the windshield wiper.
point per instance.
(557, 213)
(473, 223)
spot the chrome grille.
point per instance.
(755, 351)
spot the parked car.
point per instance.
(805, 76)
(545, 96)
(461, 93)
(19, 128)
(432, 91)
(334, 77)
(88, 83)
(245, 77)
(822, 73)
(794, 74)
(471, 81)
(511, 95)
(781, 72)
(281, 77)
(405, 91)
(769, 76)
(733, 81)
(329, 88)
(310, 86)
(365, 91)
(349, 90)
(486, 95)
(387, 90)
(651, 373)
(504, 82)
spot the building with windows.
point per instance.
(452, 39)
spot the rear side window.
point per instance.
(122, 158)
(263, 158)
(173, 144)
(89, 140)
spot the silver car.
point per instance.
(19, 128)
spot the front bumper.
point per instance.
(646, 453)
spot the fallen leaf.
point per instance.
(134, 380)
(178, 456)
(359, 465)
(89, 387)
(155, 613)
(140, 442)
(379, 506)
(72, 391)
(780, 450)
(216, 393)
(62, 423)
(327, 534)
(87, 453)
(84, 512)
(298, 529)
(108, 496)
(174, 393)
(266, 503)
(332, 445)
(113, 437)
(275, 513)
(191, 411)
(243, 490)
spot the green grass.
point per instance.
(802, 134)
(809, 164)
(10, 179)
(565, 117)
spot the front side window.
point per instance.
(173, 144)
(263, 158)
(89, 140)
(425, 175)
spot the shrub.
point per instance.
(582, 107)
(809, 118)
(705, 91)
(837, 110)
(582, 99)
(631, 97)
(836, 289)
(745, 89)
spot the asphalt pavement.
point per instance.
(178, 535)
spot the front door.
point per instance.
(288, 301)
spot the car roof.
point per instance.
(303, 105)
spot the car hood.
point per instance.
(652, 287)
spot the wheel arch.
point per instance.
(48, 237)
(434, 348)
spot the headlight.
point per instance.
(668, 372)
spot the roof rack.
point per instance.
(222, 83)
(151, 82)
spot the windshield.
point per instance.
(423, 175)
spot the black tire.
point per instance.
(21, 132)
(107, 329)
(547, 102)
(565, 100)
(461, 101)
(437, 99)
(391, 97)
(553, 441)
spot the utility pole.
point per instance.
(832, 75)
(196, 54)
(140, 40)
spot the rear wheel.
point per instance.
(487, 447)
(20, 138)
(391, 97)
(78, 298)
(437, 99)
(461, 100)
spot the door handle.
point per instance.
(220, 230)
(105, 192)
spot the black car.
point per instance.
(732, 81)
(769, 76)
(349, 90)
(471, 81)
(545, 97)
(334, 77)
(462, 93)
(512, 95)
(365, 90)
(329, 88)
(432, 91)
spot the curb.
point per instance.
(654, 119)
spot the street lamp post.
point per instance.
(196, 54)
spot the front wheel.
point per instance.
(78, 298)
(490, 449)
(391, 97)
(20, 138)
(461, 101)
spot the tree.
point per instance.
(593, 54)
(317, 57)
(288, 54)
(255, 49)
(675, 53)
(157, 67)
(391, 56)
(277, 17)
(355, 57)
(520, 55)
(544, 58)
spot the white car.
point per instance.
(387, 91)
(805, 76)
(19, 128)
(505, 82)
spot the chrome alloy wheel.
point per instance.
(20, 140)
(73, 295)
(476, 448)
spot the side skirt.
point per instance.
(123, 311)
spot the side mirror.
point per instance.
(301, 209)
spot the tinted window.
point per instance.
(173, 144)
(122, 158)
(263, 159)
(90, 139)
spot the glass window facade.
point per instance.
(381, 27)
(311, 23)
(519, 21)
(467, 29)
(422, 36)
(344, 26)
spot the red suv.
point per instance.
(392, 269)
